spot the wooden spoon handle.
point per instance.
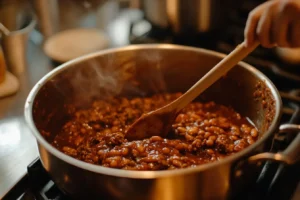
(228, 62)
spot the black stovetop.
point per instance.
(35, 185)
(277, 181)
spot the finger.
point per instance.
(294, 34)
(250, 28)
(280, 29)
(263, 30)
(272, 28)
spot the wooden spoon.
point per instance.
(159, 122)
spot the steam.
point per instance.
(113, 75)
(154, 74)
(96, 80)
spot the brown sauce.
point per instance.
(201, 133)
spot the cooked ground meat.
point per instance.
(201, 133)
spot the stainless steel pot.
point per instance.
(145, 69)
(189, 16)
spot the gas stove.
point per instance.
(276, 181)
(35, 185)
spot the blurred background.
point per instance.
(36, 36)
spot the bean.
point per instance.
(125, 151)
(196, 143)
(209, 142)
(95, 159)
(254, 132)
(177, 163)
(250, 140)
(140, 148)
(114, 152)
(233, 137)
(155, 138)
(166, 150)
(193, 131)
(113, 163)
(174, 152)
(125, 161)
(230, 148)
(135, 152)
(180, 118)
(215, 129)
(207, 134)
(181, 129)
(213, 121)
(245, 129)
(189, 137)
(179, 146)
(239, 145)
(149, 159)
(115, 129)
(101, 153)
(200, 137)
(235, 130)
(190, 147)
(223, 122)
(70, 151)
(210, 151)
(213, 138)
(185, 146)
(195, 116)
(201, 133)
(173, 142)
(206, 122)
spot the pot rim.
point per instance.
(145, 174)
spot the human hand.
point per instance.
(274, 23)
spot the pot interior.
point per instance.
(144, 70)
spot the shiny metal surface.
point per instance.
(17, 145)
(291, 154)
(185, 17)
(141, 64)
(20, 24)
(15, 46)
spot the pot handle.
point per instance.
(290, 155)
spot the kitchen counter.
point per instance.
(17, 145)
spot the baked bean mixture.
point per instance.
(201, 133)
